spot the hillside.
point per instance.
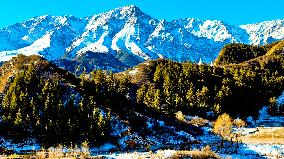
(124, 37)
(238, 53)
(49, 105)
(157, 104)
(240, 87)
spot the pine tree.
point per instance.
(202, 96)
(19, 118)
(157, 100)
(141, 93)
(191, 97)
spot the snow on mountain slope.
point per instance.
(24, 36)
(176, 42)
(216, 30)
(38, 46)
(127, 33)
(265, 32)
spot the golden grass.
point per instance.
(276, 49)
(273, 135)
(205, 152)
(198, 121)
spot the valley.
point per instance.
(122, 84)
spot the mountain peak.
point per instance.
(134, 33)
(130, 9)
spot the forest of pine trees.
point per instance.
(54, 106)
(238, 89)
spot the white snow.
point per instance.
(280, 99)
(76, 43)
(106, 147)
(158, 29)
(251, 151)
(125, 36)
(25, 37)
(28, 145)
(266, 120)
(212, 30)
(260, 33)
(35, 48)
(60, 20)
(94, 47)
(167, 153)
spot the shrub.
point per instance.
(239, 123)
(180, 116)
(205, 152)
(223, 126)
(198, 121)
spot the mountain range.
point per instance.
(126, 36)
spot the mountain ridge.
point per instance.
(127, 33)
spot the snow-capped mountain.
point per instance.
(126, 36)
(265, 32)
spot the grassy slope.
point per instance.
(21, 62)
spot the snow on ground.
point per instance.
(27, 145)
(252, 151)
(245, 151)
(104, 148)
(266, 120)
(172, 135)
(126, 35)
(264, 150)
(131, 155)
(280, 99)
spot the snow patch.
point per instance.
(106, 147)
(126, 35)
(134, 72)
(25, 38)
(280, 99)
(34, 49)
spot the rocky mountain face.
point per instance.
(124, 37)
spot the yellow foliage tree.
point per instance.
(223, 126)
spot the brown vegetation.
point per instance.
(272, 135)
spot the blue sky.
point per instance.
(234, 12)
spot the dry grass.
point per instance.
(273, 135)
(205, 152)
(276, 49)
(198, 121)
(57, 152)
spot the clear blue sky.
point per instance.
(234, 12)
